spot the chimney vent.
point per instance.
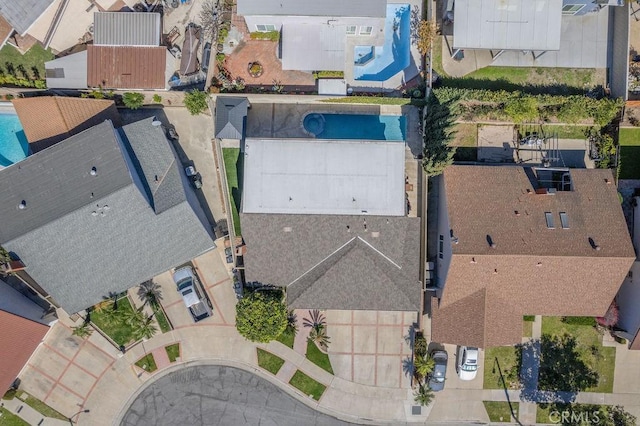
(287, 229)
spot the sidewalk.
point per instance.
(29, 415)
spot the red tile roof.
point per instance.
(532, 269)
(126, 67)
(19, 337)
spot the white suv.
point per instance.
(467, 362)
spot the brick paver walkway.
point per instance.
(161, 357)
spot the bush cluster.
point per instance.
(10, 80)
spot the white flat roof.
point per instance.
(312, 176)
(507, 24)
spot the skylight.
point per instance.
(549, 217)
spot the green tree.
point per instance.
(423, 395)
(141, 323)
(562, 367)
(438, 124)
(4, 256)
(196, 101)
(133, 100)
(150, 293)
(318, 335)
(261, 317)
(423, 366)
(522, 109)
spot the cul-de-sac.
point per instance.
(337, 212)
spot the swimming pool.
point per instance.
(13, 142)
(394, 55)
(356, 126)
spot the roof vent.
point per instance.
(375, 234)
(287, 229)
(22, 205)
(491, 243)
(156, 123)
(593, 244)
(94, 171)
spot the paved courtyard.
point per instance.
(370, 347)
(218, 395)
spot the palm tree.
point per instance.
(318, 335)
(423, 366)
(145, 328)
(83, 331)
(423, 395)
(316, 319)
(150, 293)
(292, 322)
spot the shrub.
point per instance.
(328, 74)
(133, 100)
(261, 317)
(196, 101)
(266, 35)
(9, 97)
(587, 321)
(611, 317)
(157, 99)
(529, 318)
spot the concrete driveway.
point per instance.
(212, 271)
(370, 347)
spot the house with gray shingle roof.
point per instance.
(100, 212)
(326, 219)
(515, 241)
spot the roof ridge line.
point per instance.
(322, 261)
(164, 175)
(379, 252)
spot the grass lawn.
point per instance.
(161, 319)
(269, 361)
(286, 338)
(588, 339)
(119, 331)
(32, 61)
(40, 406)
(147, 363)
(307, 385)
(233, 163)
(318, 357)
(629, 153)
(565, 131)
(499, 411)
(9, 419)
(527, 328)
(506, 357)
(466, 141)
(173, 351)
(376, 100)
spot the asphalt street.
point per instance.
(219, 395)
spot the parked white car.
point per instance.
(467, 362)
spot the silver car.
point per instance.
(438, 376)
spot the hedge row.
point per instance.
(520, 107)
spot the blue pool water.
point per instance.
(392, 57)
(13, 143)
(356, 126)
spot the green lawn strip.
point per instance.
(368, 100)
(40, 406)
(269, 361)
(542, 414)
(173, 351)
(436, 63)
(233, 167)
(527, 329)
(307, 385)
(318, 357)
(160, 317)
(506, 357)
(589, 346)
(34, 57)
(629, 140)
(147, 361)
(9, 419)
(118, 330)
(499, 411)
(564, 131)
(286, 338)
